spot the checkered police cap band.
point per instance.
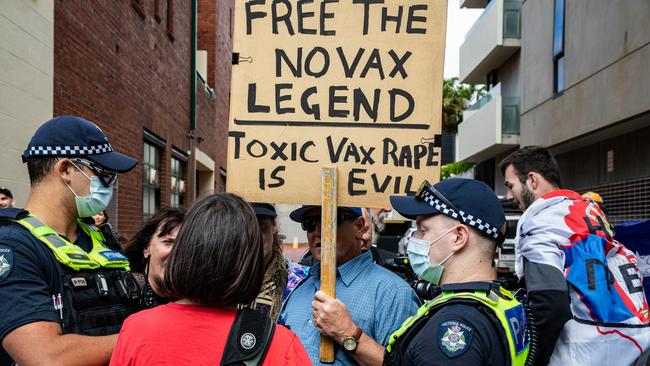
(429, 197)
(68, 150)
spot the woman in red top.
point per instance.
(215, 264)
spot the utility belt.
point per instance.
(97, 303)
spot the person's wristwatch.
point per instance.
(350, 343)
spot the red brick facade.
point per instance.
(126, 66)
(215, 36)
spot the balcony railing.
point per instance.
(493, 38)
(489, 127)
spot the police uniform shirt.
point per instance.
(29, 277)
(458, 334)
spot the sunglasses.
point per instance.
(429, 187)
(107, 177)
(311, 222)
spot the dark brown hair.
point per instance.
(168, 219)
(217, 259)
(39, 167)
(532, 159)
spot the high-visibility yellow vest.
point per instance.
(71, 255)
(509, 312)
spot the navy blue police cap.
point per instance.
(298, 214)
(469, 201)
(264, 209)
(71, 136)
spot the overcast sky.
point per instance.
(459, 21)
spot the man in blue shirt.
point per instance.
(376, 300)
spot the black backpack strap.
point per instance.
(249, 339)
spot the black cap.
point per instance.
(72, 136)
(264, 209)
(6, 192)
(469, 201)
(297, 215)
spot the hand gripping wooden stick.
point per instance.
(328, 250)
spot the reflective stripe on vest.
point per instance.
(71, 255)
(507, 309)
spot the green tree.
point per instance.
(452, 169)
(456, 97)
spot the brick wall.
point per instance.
(223, 68)
(122, 68)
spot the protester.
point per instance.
(59, 283)
(583, 286)
(458, 222)
(371, 302)
(281, 276)
(6, 198)
(148, 251)
(216, 264)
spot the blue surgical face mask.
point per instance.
(418, 253)
(96, 202)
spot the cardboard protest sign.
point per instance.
(354, 84)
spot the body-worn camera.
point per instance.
(401, 266)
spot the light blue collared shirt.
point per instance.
(378, 302)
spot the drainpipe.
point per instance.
(190, 136)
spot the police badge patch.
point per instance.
(6, 262)
(454, 338)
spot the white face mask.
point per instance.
(99, 197)
(418, 253)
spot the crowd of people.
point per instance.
(210, 284)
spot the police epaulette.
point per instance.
(469, 287)
(13, 213)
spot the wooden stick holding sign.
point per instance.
(328, 250)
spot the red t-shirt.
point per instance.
(175, 334)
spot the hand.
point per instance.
(331, 317)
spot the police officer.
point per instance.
(63, 293)
(474, 321)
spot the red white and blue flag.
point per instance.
(611, 324)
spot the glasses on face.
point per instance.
(311, 222)
(107, 177)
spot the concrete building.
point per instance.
(491, 56)
(584, 79)
(26, 84)
(153, 74)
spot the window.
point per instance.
(178, 184)
(150, 181)
(230, 22)
(222, 179)
(137, 5)
(170, 19)
(156, 10)
(558, 47)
